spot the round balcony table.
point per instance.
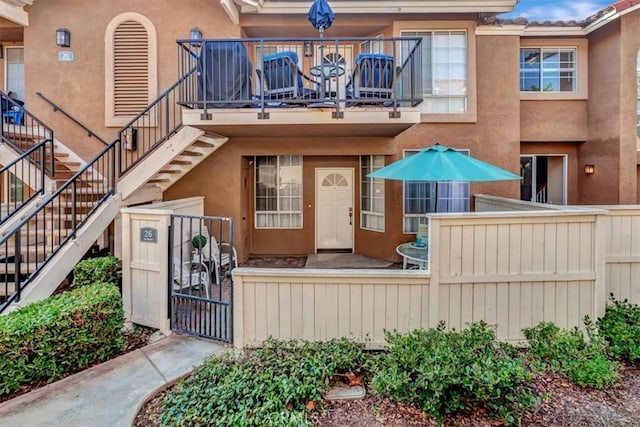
(324, 72)
(414, 255)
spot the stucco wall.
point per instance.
(553, 120)
(602, 147)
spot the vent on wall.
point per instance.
(130, 69)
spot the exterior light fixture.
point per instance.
(63, 37)
(195, 34)
(308, 49)
(589, 169)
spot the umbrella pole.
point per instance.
(436, 208)
(322, 77)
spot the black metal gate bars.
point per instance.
(202, 257)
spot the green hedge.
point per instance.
(62, 334)
(104, 269)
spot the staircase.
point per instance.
(41, 247)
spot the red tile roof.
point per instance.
(615, 7)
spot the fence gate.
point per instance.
(202, 256)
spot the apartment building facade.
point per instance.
(553, 101)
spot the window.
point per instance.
(278, 191)
(444, 70)
(372, 46)
(130, 67)
(372, 194)
(548, 69)
(419, 199)
(15, 71)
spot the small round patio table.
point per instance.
(417, 256)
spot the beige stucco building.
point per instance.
(555, 102)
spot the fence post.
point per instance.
(237, 309)
(601, 237)
(434, 267)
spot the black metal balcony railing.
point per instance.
(271, 73)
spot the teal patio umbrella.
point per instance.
(438, 164)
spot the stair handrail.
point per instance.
(107, 153)
(11, 167)
(57, 108)
(9, 104)
(129, 132)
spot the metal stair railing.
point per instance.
(32, 243)
(29, 132)
(44, 232)
(153, 126)
(16, 175)
(57, 108)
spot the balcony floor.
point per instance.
(357, 121)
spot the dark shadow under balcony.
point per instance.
(341, 86)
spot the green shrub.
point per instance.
(448, 372)
(620, 327)
(583, 361)
(198, 241)
(266, 386)
(62, 334)
(93, 270)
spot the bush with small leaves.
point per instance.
(93, 270)
(583, 361)
(620, 327)
(448, 372)
(64, 333)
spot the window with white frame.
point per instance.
(278, 192)
(420, 198)
(372, 46)
(371, 194)
(444, 70)
(548, 69)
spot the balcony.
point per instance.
(278, 87)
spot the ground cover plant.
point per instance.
(273, 385)
(47, 339)
(620, 326)
(582, 359)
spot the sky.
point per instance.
(556, 10)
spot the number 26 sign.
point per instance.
(149, 234)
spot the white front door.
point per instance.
(334, 208)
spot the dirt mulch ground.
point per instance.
(562, 404)
(133, 339)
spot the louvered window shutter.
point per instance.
(130, 69)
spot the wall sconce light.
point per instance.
(589, 169)
(308, 49)
(63, 37)
(195, 34)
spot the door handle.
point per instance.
(350, 215)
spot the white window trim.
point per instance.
(542, 48)
(467, 77)
(364, 212)
(404, 152)
(110, 119)
(277, 212)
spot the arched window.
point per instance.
(131, 72)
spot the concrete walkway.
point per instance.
(108, 394)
